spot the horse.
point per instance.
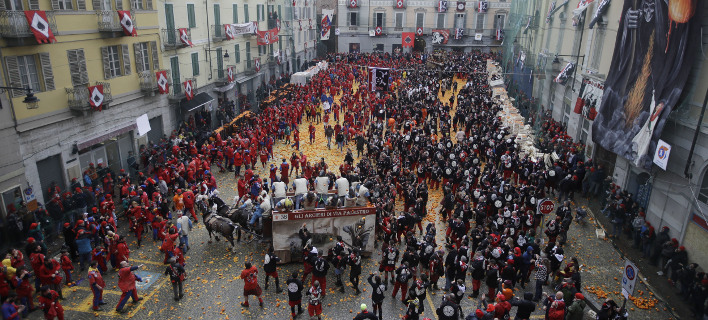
(237, 216)
(219, 225)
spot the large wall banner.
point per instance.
(356, 226)
(655, 50)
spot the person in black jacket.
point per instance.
(365, 314)
(377, 293)
(524, 307)
(319, 272)
(177, 275)
(448, 309)
(355, 269)
(294, 286)
(269, 266)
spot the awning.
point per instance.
(244, 78)
(225, 88)
(199, 100)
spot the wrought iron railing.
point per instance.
(171, 38)
(78, 97)
(13, 24)
(218, 33)
(177, 89)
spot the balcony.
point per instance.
(250, 70)
(177, 90)
(172, 40)
(15, 29)
(223, 76)
(148, 81)
(78, 98)
(109, 23)
(218, 33)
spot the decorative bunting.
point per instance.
(37, 21)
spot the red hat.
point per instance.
(642, 214)
(94, 209)
(66, 224)
(579, 296)
(704, 282)
(479, 313)
(80, 222)
(33, 225)
(122, 170)
(78, 189)
(674, 241)
(500, 297)
(665, 228)
(30, 240)
(517, 251)
(91, 164)
(682, 248)
(490, 308)
(510, 261)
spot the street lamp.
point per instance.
(30, 99)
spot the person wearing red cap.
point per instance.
(577, 307)
(678, 261)
(126, 283)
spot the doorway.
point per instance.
(419, 45)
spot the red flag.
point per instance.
(229, 32)
(257, 63)
(184, 37)
(126, 21)
(407, 38)
(419, 31)
(96, 97)
(353, 3)
(400, 4)
(378, 30)
(230, 74)
(188, 90)
(163, 86)
(37, 21)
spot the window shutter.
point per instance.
(82, 65)
(106, 63)
(383, 22)
(126, 59)
(72, 56)
(148, 5)
(2, 5)
(13, 72)
(96, 5)
(80, 4)
(155, 57)
(55, 5)
(33, 4)
(349, 18)
(237, 53)
(138, 57)
(235, 12)
(47, 73)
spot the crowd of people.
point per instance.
(408, 141)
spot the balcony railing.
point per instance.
(78, 97)
(177, 91)
(223, 75)
(250, 70)
(148, 81)
(218, 33)
(109, 21)
(13, 24)
(171, 38)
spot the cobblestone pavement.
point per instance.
(213, 290)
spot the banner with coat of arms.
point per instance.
(37, 21)
(482, 7)
(126, 22)
(326, 24)
(257, 64)
(163, 85)
(440, 36)
(353, 3)
(442, 6)
(188, 90)
(267, 37)
(96, 97)
(460, 6)
(407, 39)
(400, 4)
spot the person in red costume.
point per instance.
(126, 282)
(188, 199)
(250, 284)
(49, 302)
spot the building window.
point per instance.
(419, 19)
(499, 21)
(217, 17)
(245, 12)
(237, 53)
(353, 19)
(64, 5)
(399, 20)
(77, 67)
(176, 82)
(195, 63)
(260, 12)
(460, 20)
(142, 56)
(234, 12)
(13, 5)
(191, 17)
(598, 41)
(116, 61)
(379, 19)
(28, 72)
(480, 21)
(31, 71)
(441, 21)
(140, 4)
(146, 56)
(248, 54)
